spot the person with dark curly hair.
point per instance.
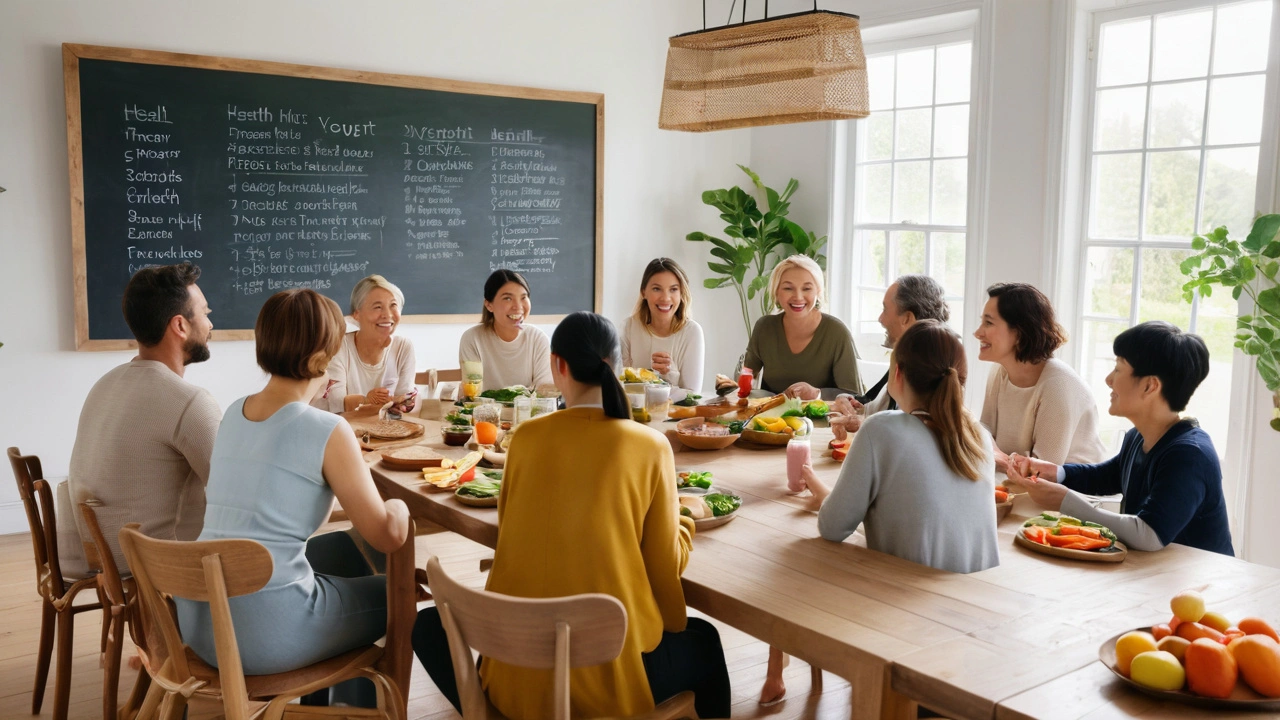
(1035, 404)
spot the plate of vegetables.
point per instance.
(481, 492)
(507, 394)
(1063, 536)
(714, 507)
(694, 482)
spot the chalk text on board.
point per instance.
(133, 113)
(353, 130)
(261, 114)
(131, 133)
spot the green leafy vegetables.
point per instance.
(721, 503)
(481, 488)
(506, 394)
(694, 479)
(689, 400)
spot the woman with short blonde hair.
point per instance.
(802, 349)
(661, 333)
(374, 365)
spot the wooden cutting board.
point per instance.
(375, 434)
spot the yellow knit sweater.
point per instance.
(589, 505)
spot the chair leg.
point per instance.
(111, 664)
(43, 655)
(132, 706)
(151, 703)
(62, 676)
(173, 707)
(106, 617)
(815, 675)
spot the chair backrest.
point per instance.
(37, 500)
(526, 632)
(206, 571)
(101, 559)
(433, 377)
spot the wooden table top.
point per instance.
(997, 643)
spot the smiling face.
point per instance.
(196, 347)
(510, 307)
(662, 293)
(797, 292)
(892, 319)
(379, 314)
(997, 341)
(1129, 392)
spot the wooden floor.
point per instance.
(20, 629)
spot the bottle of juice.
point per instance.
(798, 451)
(744, 382)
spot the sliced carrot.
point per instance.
(1077, 542)
(1036, 534)
(1089, 532)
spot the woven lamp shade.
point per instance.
(794, 68)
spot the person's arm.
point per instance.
(1183, 475)
(856, 487)
(385, 525)
(1059, 413)
(469, 347)
(1132, 530)
(844, 366)
(754, 358)
(1098, 478)
(337, 383)
(625, 341)
(665, 544)
(195, 432)
(692, 358)
(407, 368)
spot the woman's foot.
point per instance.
(774, 689)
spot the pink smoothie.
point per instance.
(797, 456)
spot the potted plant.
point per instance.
(757, 241)
(1248, 268)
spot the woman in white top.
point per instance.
(661, 333)
(509, 353)
(374, 365)
(1035, 404)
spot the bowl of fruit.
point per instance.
(775, 431)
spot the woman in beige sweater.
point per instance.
(1035, 404)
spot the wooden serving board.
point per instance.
(410, 462)
(1071, 554)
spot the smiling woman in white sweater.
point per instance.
(661, 334)
(509, 352)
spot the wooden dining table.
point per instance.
(1015, 641)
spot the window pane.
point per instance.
(1116, 186)
(1099, 361)
(1120, 116)
(875, 137)
(1216, 323)
(1241, 38)
(950, 182)
(1235, 110)
(880, 81)
(875, 183)
(908, 249)
(1172, 180)
(869, 308)
(913, 133)
(915, 78)
(1177, 112)
(1108, 281)
(911, 191)
(1123, 56)
(1182, 45)
(1230, 189)
(873, 250)
(947, 262)
(953, 73)
(951, 131)
(1160, 287)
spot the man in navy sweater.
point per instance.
(1167, 469)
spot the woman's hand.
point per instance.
(1002, 460)
(1021, 466)
(378, 396)
(804, 391)
(661, 362)
(1038, 478)
(843, 425)
(817, 488)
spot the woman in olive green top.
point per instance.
(802, 349)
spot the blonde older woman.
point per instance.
(374, 364)
(801, 348)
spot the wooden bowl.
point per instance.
(1003, 509)
(701, 442)
(760, 437)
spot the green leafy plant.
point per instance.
(757, 241)
(1248, 268)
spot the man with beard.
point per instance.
(145, 436)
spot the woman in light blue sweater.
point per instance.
(920, 478)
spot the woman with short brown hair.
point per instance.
(1035, 404)
(277, 465)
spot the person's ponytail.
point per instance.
(588, 343)
(931, 359)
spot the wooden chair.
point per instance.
(434, 378)
(214, 571)
(532, 633)
(120, 598)
(58, 593)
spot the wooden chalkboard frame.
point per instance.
(72, 53)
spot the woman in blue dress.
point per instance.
(277, 465)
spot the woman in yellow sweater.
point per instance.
(588, 505)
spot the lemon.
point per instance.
(1130, 645)
(1188, 605)
(1159, 670)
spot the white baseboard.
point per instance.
(13, 518)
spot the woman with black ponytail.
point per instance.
(921, 479)
(589, 505)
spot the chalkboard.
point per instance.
(270, 176)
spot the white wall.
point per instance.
(653, 178)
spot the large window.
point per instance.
(1176, 124)
(911, 159)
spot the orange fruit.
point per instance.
(1257, 626)
(1211, 669)
(486, 433)
(1194, 631)
(1175, 646)
(1161, 631)
(1258, 658)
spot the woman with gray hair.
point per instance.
(374, 365)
